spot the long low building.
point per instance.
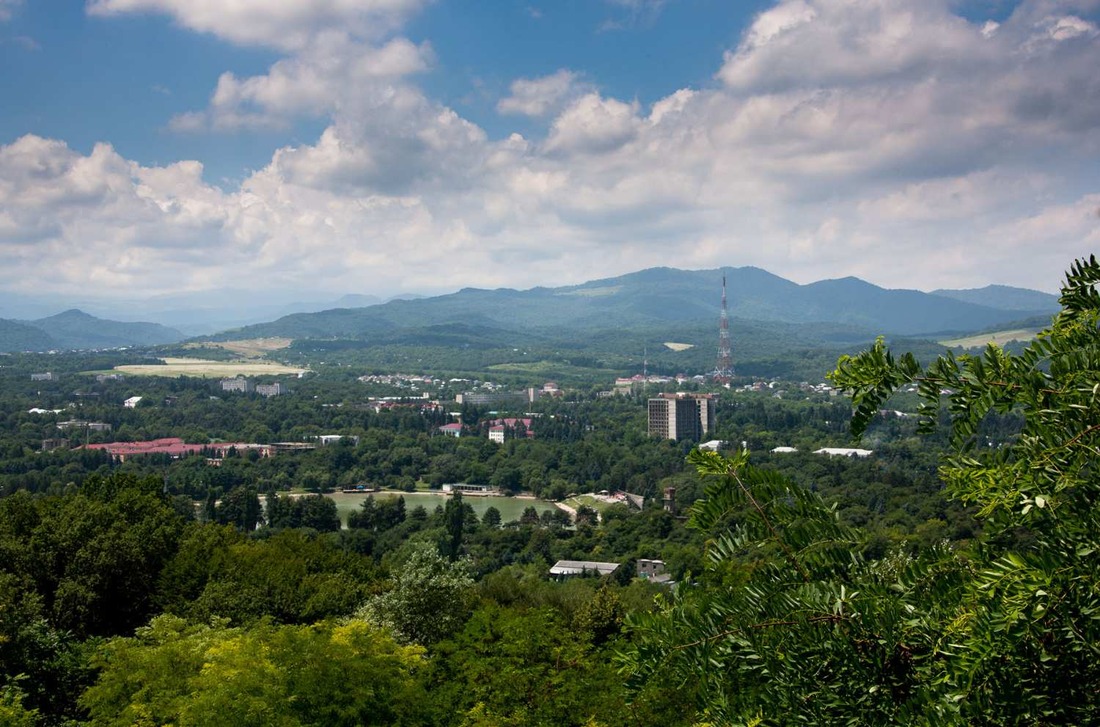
(174, 447)
(844, 452)
(566, 568)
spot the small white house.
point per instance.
(131, 402)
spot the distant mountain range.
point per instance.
(193, 314)
(1003, 297)
(665, 298)
(664, 301)
(74, 329)
(16, 336)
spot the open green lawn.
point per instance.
(551, 368)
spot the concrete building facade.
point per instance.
(681, 416)
(240, 384)
(275, 389)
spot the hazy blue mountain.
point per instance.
(1004, 297)
(664, 298)
(77, 329)
(193, 313)
(356, 300)
(16, 336)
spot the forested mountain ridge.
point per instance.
(16, 336)
(75, 329)
(666, 297)
(1004, 297)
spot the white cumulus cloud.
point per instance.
(593, 124)
(329, 72)
(287, 24)
(540, 96)
(890, 139)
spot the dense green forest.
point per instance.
(949, 578)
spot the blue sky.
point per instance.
(154, 68)
(187, 150)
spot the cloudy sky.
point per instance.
(303, 149)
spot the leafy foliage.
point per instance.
(326, 674)
(794, 625)
(430, 599)
(1006, 634)
(13, 713)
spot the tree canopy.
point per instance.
(793, 624)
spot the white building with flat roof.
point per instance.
(844, 452)
(567, 568)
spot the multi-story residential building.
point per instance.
(274, 389)
(240, 384)
(681, 416)
(492, 398)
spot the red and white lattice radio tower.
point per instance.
(723, 371)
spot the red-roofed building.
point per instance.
(454, 429)
(174, 447)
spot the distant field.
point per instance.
(208, 369)
(250, 348)
(679, 346)
(999, 337)
(547, 368)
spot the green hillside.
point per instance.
(78, 330)
(658, 298)
(15, 336)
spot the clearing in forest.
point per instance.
(208, 369)
(248, 348)
(1000, 338)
